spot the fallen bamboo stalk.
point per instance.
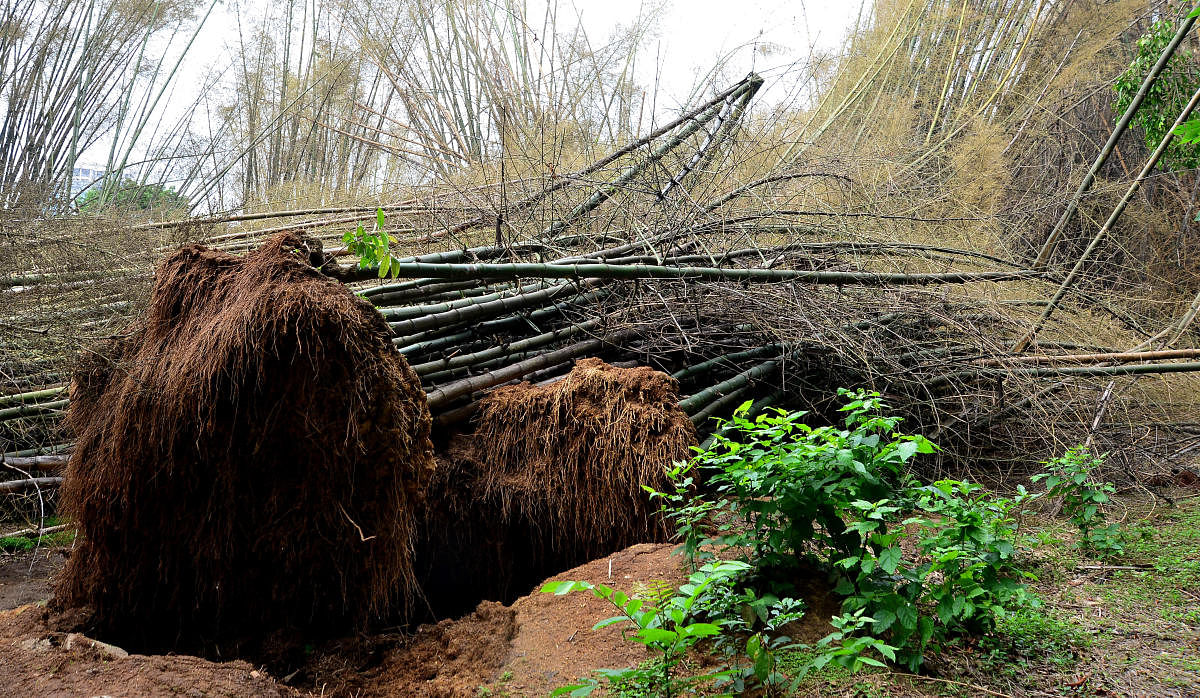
(31, 410)
(1081, 371)
(645, 271)
(482, 310)
(511, 347)
(35, 462)
(38, 532)
(29, 483)
(415, 311)
(706, 366)
(711, 408)
(1043, 258)
(33, 396)
(30, 452)
(694, 403)
(567, 180)
(416, 293)
(1151, 163)
(749, 86)
(441, 396)
(1096, 358)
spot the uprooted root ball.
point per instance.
(551, 477)
(249, 457)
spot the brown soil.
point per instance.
(539, 643)
(26, 577)
(40, 661)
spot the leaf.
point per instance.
(906, 449)
(889, 559)
(553, 587)
(609, 621)
(657, 636)
(701, 630)
(379, 218)
(945, 610)
(883, 619)
(926, 626)
(384, 265)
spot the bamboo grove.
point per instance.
(934, 248)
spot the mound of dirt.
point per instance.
(537, 644)
(249, 457)
(551, 477)
(41, 661)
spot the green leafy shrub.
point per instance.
(788, 497)
(1071, 478)
(1166, 97)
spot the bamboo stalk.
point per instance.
(695, 402)
(26, 532)
(725, 359)
(1095, 358)
(443, 395)
(415, 311)
(34, 462)
(1151, 163)
(644, 271)
(505, 349)
(30, 410)
(1044, 254)
(32, 396)
(482, 310)
(29, 484)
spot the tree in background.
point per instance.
(131, 196)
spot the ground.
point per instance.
(1107, 628)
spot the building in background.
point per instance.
(83, 177)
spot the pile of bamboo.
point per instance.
(762, 305)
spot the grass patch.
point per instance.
(17, 544)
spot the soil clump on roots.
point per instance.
(250, 457)
(551, 477)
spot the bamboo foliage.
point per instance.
(74, 72)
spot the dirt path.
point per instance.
(25, 577)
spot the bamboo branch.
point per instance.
(1151, 162)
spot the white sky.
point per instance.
(692, 36)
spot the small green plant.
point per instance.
(50, 540)
(372, 248)
(848, 644)
(1071, 478)
(1036, 634)
(669, 627)
(789, 497)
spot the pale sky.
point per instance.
(692, 36)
